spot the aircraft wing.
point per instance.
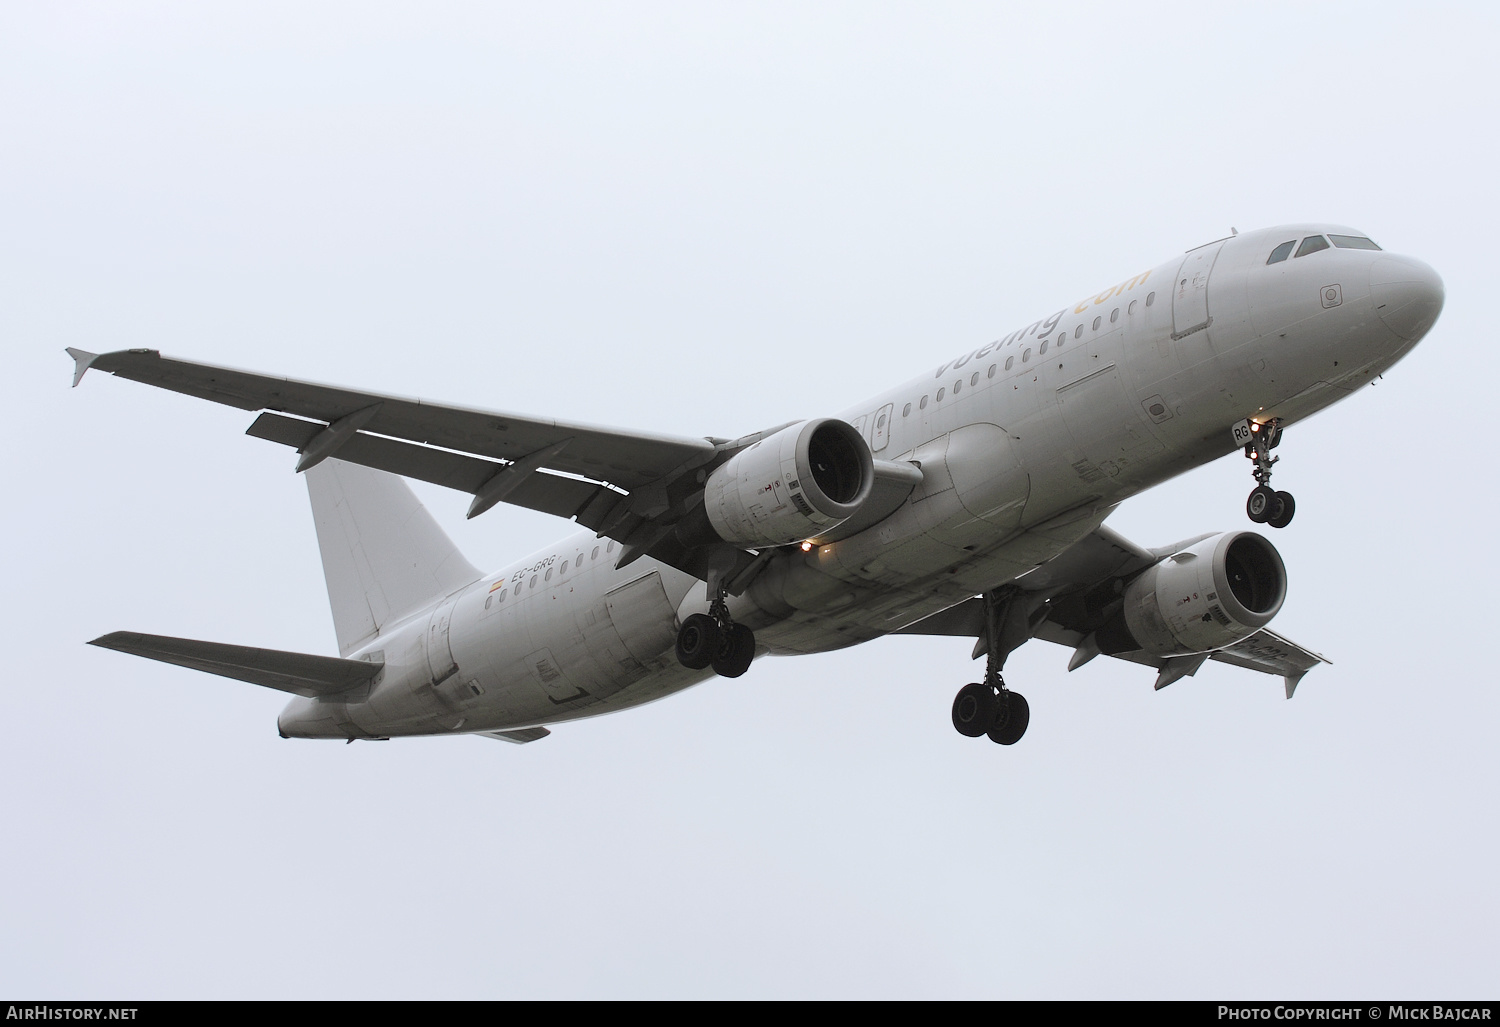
(626, 485)
(1077, 586)
(298, 673)
(627, 459)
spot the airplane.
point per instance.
(969, 501)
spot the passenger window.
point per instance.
(941, 393)
(880, 422)
(923, 404)
(1078, 332)
(1027, 355)
(596, 554)
(958, 385)
(1010, 362)
(1043, 347)
(1131, 309)
(906, 410)
(1114, 315)
(1353, 242)
(1061, 337)
(991, 372)
(503, 593)
(533, 582)
(1281, 252)
(1312, 244)
(609, 547)
(974, 379)
(548, 575)
(1096, 323)
(1150, 298)
(580, 561)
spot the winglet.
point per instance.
(82, 361)
(1292, 681)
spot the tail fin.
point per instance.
(383, 554)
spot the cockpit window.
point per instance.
(1312, 244)
(1353, 242)
(1281, 252)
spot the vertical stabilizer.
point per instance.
(383, 554)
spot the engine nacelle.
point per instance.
(806, 479)
(1205, 597)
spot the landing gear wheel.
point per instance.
(736, 652)
(1012, 714)
(1285, 507)
(974, 709)
(1261, 504)
(1265, 506)
(699, 641)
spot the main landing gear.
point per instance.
(988, 707)
(1266, 505)
(713, 639)
(991, 709)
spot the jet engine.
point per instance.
(1211, 594)
(803, 480)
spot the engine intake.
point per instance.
(807, 478)
(1207, 596)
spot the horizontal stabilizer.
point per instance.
(299, 673)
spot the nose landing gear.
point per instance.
(1265, 505)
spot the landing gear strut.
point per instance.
(714, 639)
(1266, 505)
(989, 707)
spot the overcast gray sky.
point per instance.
(704, 219)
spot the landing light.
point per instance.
(807, 547)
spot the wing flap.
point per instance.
(548, 493)
(299, 673)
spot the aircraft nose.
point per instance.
(1408, 295)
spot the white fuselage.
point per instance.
(1025, 446)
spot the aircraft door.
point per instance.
(1190, 291)
(882, 433)
(440, 660)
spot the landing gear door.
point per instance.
(1190, 291)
